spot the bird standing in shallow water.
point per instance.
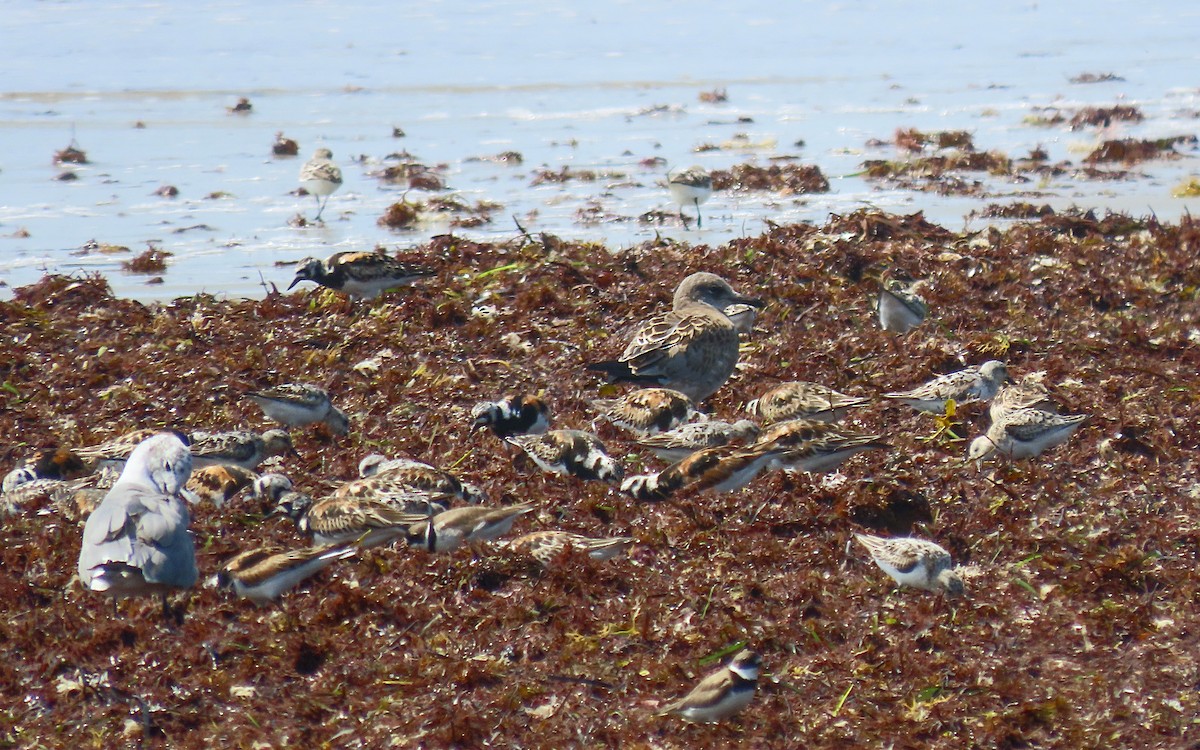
(321, 178)
(690, 187)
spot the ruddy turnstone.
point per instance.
(966, 386)
(472, 523)
(690, 187)
(899, 306)
(914, 562)
(548, 546)
(803, 400)
(574, 452)
(48, 463)
(137, 541)
(647, 411)
(220, 482)
(17, 477)
(686, 439)
(265, 573)
(359, 274)
(406, 473)
(337, 520)
(815, 447)
(239, 447)
(20, 498)
(321, 178)
(77, 498)
(512, 415)
(269, 487)
(692, 349)
(722, 693)
(1028, 393)
(1024, 433)
(300, 404)
(723, 469)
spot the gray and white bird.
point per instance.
(914, 562)
(300, 404)
(693, 348)
(814, 447)
(238, 447)
(547, 546)
(1024, 433)
(264, 574)
(338, 520)
(899, 307)
(321, 178)
(690, 187)
(800, 399)
(721, 694)
(381, 475)
(137, 541)
(978, 383)
(684, 440)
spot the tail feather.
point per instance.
(620, 372)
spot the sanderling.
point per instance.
(547, 546)
(899, 306)
(337, 520)
(239, 447)
(690, 187)
(914, 562)
(137, 541)
(815, 447)
(114, 451)
(450, 530)
(722, 693)
(648, 411)
(265, 573)
(321, 178)
(722, 469)
(219, 482)
(359, 274)
(300, 404)
(512, 415)
(803, 400)
(686, 439)
(1024, 433)
(574, 452)
(965, 386)
(401, 473)
(1028, 393)
(692, 349)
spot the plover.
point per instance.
(321, 178)
(137, 541)
(300, 404)
(721, 694)
(448, 531)
(803, 400)
(359, 274)
(690, 187)
(265, 573)
(815, 447)
(692, 349)
(547, 546)
(965, 386)
(899, 307)
(647, 411)
(722, 469)
(1024, 433)
(914, 562)
(337, 520)
(686, 439)
(238, 447)
(408, 473)
(513, 415)
(574, 452)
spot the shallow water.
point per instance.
(590, 86)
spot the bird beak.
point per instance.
(295, 281)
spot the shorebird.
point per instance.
(899, 306)
(692, 349)
(547, 546)
(359, 274)
(265, 573)
(721, 694)
(647, 411)
(321, 178)
(686, 439)
(965, 386)
(512, 415)
(300, 404)
(803, 400)
(914, 562)
(574, 452)
(1024, 433)
(690, 187)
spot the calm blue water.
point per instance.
(586, 85)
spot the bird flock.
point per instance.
(133, 492)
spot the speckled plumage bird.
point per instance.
(453, 528)
(722, 469)
(264, 574)
(337, 520)
(693, 348)
(899, 307)
(359, 274)
(965, 386)
(300, 404)
(803, 400)
(686, 439)
(914, 562)
(547, 546)
(648, 411)
(815, 447)
(690, 187)
(321, 177)
(721, 694)
(571, 452)
(1024, 433)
